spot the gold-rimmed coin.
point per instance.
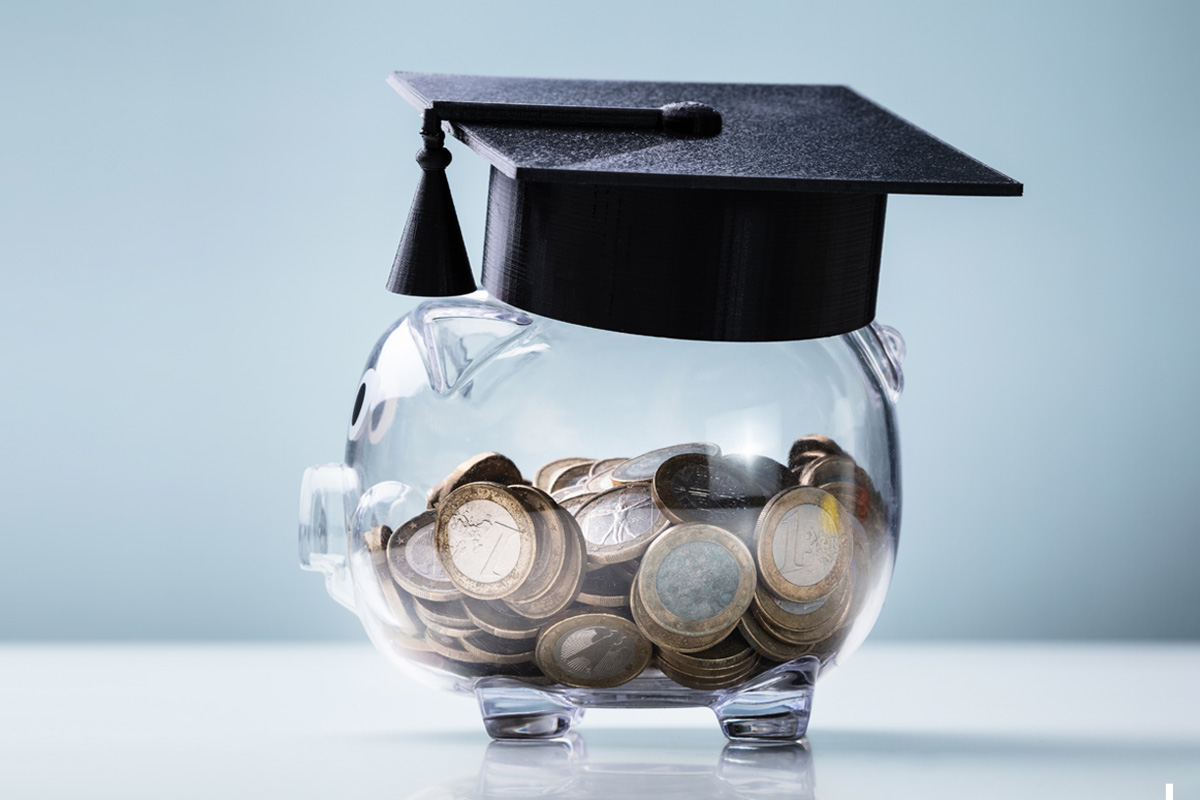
(413, 562)
(402, 615)
(607, 587)
(619, 524)
(605, 465)
(496, 618)
(732, 651)
(551, 543)
(600, 476)
(568, 492)
(708, 682)
(695, 487)
(600, 482)
(567, 477)
(694, 583)
(716, 673)
(804, 544)
(801, 618)
(770, 476)
(808, 448)
(829, 469)
(679, 643)
(485, 540)
(566, 586)
(573, 503)
(643, 467)
(447, 618)
(451, 647)
(806, 638)
(592, 648)
(498, 650)
(484, 467)
(767, 645)
(854, 497)
(542, 478)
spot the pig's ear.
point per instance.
(458, 338)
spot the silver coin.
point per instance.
(546, 472)
(574, 475)
(421, 556)
(619, 524)
(485, 540)
(643, 467)
(804, 544)
(413, 560)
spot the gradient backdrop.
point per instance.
(199, 203)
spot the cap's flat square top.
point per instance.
(781, 137)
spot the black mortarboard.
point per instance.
(735, 212)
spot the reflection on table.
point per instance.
(562, 768)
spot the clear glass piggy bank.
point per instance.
(554, 517)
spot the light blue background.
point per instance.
(199, 203)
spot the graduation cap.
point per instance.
(737, 212)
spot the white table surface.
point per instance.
(300, 721)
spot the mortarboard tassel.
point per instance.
(432, 259)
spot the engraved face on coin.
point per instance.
(592, 649)
(619, 524)
(485, 540)
(643, 467)
(804, 544)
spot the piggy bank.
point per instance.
(654, 462)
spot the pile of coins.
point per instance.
(712, 568)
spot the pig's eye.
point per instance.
(359, 417)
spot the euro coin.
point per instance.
(830, 469)
(768, 646)
(803, 617)
(413, 562)
(708, 683)
(808, 448)
(485, 540)
(542, 477)
(485, 467)
(619, 524)
(607, 587)
(804, 544)
(566, 585)
(592, 649)
(551, 542)
(401, 614)
(643, 467)
(497, 650)
(567, 477)
(694, 583)
(448, 618)
(770, 476)
(496, 618)
(732, 651)
(694, 487)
